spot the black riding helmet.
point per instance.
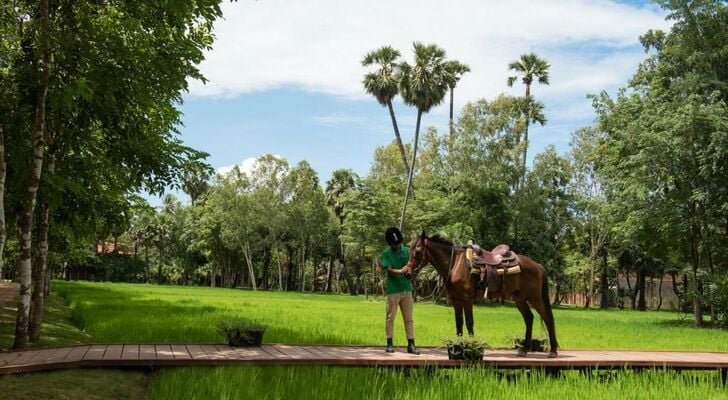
(393, 236)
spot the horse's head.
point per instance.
(420, 254)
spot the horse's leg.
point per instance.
(528, 319)
(548, 319)
(458, 305)
(469, 317)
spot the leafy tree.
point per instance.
(590, 195)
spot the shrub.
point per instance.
(240, 332)
(465, 348)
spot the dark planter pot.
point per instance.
(536, 345)
(464, 353)
(245, 338)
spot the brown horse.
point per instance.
(451, 264)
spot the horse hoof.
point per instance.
(553, 354)
(521, 353)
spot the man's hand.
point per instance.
(406, 269)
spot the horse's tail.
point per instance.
(547, 306)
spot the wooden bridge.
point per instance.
(156, 355)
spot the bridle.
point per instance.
(422, 245)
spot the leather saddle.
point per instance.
(500, 256)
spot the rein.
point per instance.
(427, 257)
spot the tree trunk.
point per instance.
(213, 275)
(280, 273)
(525, 139)
(267, 254)
(592, 263)
(302, 267)
(146, 264)
(159, 268)
(25, 224)
(41, 264)
(251, 270)
(452, 99)
(402, 152)
(695, 258)
(604, 302)
(3, 231)
(329, 274)
(659, 292)
(411, 171)
(709, 260)
(641, 277)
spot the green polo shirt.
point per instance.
(396, 260)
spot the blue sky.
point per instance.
(284, 77)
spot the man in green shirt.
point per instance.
(399, 288)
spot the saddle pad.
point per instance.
(511, 271)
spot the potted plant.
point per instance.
(240, 332)
(540, 344)
(465, 348)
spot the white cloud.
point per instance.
(317, 45)
(246, 166)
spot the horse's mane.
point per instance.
(439, 239)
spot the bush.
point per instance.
(717, 296)
(465, 348)
(240, 332)
(537, 343)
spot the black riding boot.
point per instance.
(390, 346)
(411, 347)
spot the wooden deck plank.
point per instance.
(164, 352)
(147, 352)
(275, 353)
(41, 356)
(130, 352)
(252, 353)
(113, 352)
(76, 354)
(59, 356)
(179, 351)
(295, 352)
(96, 352)
(196, 352)
(24, 358)
(228, 352)
(212, 352)
(9, 357)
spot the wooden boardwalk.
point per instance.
(152, 355)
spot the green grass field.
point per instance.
(146, 313)
(123, 313)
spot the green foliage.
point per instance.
(325, 383)
(465, 348)
(240, 332)
(717, 296)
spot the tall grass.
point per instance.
(322, 383)
(126, 313)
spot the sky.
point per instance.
(284, 77)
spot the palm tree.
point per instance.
(423, 85)
(382, 84)
(342, 181)
(454, 71)
(529, 67)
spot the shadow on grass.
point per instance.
(58, 328)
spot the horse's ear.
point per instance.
(423, 234)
